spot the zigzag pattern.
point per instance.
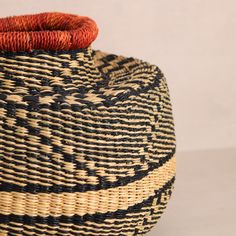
(87, 144)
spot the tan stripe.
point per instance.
(56, 80)
(81, 203)
(41, 63)
(40, 60)
(31, 68)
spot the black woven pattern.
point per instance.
(87, 144)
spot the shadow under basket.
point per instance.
(87, 141)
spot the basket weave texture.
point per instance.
(87, 141)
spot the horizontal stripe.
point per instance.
(34, 71)
(35, 59)
(82, 203)
(97, 217)
(25, 186)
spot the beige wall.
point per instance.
(192, 41)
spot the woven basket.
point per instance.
(87, 138)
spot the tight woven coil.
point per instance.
(87, 141)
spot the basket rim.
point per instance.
(46, 31)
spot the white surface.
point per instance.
(204, 200)
(192, 41)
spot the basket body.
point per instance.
(87, 144)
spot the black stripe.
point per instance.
(97, 217)
(103, 184)
(34, 53)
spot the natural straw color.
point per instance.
(78, 201)
(87, 141)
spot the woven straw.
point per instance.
(87, 143)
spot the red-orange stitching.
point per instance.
(47, 31)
